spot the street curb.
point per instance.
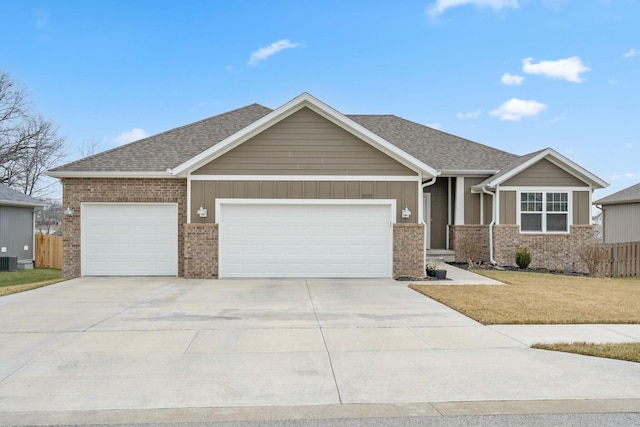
(307, 412)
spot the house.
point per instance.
(17, 225)
(621, 215)
(306, 191)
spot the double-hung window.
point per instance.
(544, 212)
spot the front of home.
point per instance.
(305, 191)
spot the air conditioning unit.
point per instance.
(8, 263)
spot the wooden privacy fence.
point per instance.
(48, 251)
(623, 259)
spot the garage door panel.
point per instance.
(298, 240)
(129, 239)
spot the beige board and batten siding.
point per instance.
(621, 223)
(204, 193)
(472, 203)
(305, 143)
(544, 174)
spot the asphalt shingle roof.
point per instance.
(11, 197)
(628, 195)
(169, 149)
(438, 149)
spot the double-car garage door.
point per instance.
(305, 238)
(257, 238)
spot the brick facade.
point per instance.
(146, 190)
(200, 251)
(470, 241)
(552, 251)
(408, 250)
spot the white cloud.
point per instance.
(267, 51)
(42, 18)
(440, 6)
(130, 136)
(470, 115)
(632, 53)
(434, 125)
(612, 81)
(564, 69)
(511, 79)
(515, 109)
(628, 175)
(628, 145)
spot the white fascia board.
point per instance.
(301, 101)
(108, 174)
(577, 170)
(406, 178)
(473, 173)
(558, 160)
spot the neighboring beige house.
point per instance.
(621, 215)
(306, 191)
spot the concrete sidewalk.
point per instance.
(459, 276)
(550, 334)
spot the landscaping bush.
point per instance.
(471, 250)
(594, 257)
(523, 258)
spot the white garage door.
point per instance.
(305, 238)
(129, 239)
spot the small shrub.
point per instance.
(594, 257)
(523, 258)
(471, 250)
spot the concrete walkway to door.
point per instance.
(143, 343)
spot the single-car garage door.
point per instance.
(305, 238)
(129, 239)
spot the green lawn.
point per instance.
(12, 282)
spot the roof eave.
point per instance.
(20, 204)
(110, 174)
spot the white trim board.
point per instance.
(390, 202)
(407, 178)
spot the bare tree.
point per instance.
(29, 144)
(49, 217)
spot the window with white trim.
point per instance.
(544, 212)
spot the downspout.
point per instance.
(491, 224)
(424, 237)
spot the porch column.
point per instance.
(459, 210)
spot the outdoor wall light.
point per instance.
(68, 211)
(202, 212)
(406, 213)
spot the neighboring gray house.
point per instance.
(621, 215)
(306, 191)
(17, 224)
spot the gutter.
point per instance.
(491, 224)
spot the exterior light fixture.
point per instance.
(68, 211)
(406, 213)
(202, 212)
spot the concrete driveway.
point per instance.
(141, 343)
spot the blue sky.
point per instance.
(518, 75)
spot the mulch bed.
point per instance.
(465, 266)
